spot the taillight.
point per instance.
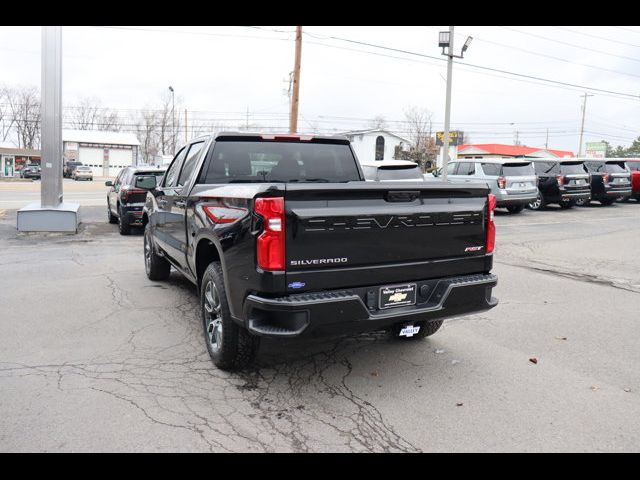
(491, 226)
(560, 179)
(502, 182)
(271, 242)
(606, 177)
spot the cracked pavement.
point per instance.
(95, 357)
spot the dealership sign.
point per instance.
(596, 149)
(456, 137)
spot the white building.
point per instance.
(105, 152)
(376, 144)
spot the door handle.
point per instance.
(162, 203)
(180, 203)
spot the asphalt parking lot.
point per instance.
(95, 357)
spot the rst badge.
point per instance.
(474, 249)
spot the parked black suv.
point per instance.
(610, 179)
(284, 238)
(560, 181)
(127, 195)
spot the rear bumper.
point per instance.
(132, 215)
(614, 193)
(580, 195)
(356, 310)
(504, 200)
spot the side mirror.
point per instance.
(147, 182)
(108, 184)
(435, 173)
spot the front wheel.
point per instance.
(607, 201)
(515, 208)
(230, 346)
(110, 216)
(567, 204)
(581, 202)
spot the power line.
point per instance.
(598, 37)
(506, 72)
(565, 43)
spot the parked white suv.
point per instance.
(392, 170)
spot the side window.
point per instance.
(190, 163)
(171, 178)
(451, 168)
(463, 168)
(118, 180)
(472, 169)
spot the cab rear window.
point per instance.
(257, 162)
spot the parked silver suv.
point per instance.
(513, 181)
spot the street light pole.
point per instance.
(173, 116)
(447, 108)
(446, 41)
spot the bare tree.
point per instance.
(23, 108)
(89, 114)
(379, 122)
(147, 127)
(6, 120)
(420, 130)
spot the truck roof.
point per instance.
(271, 136)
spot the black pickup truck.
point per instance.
(284, 238)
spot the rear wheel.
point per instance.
(607, 201)
(156, 267)
(125, 228)
(230, 346)
(538, 203)
(515, 208)
(426, 330)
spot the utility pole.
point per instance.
(546, 140)
(173, 116)
(584, 110)
(293, 116)
(516, 140)
(246, 122)
(446, 40)
(185, 126)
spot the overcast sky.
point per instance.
(220, 72)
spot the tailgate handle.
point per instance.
(402, 196)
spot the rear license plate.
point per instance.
(397, 296)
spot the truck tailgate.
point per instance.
(343, 235)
